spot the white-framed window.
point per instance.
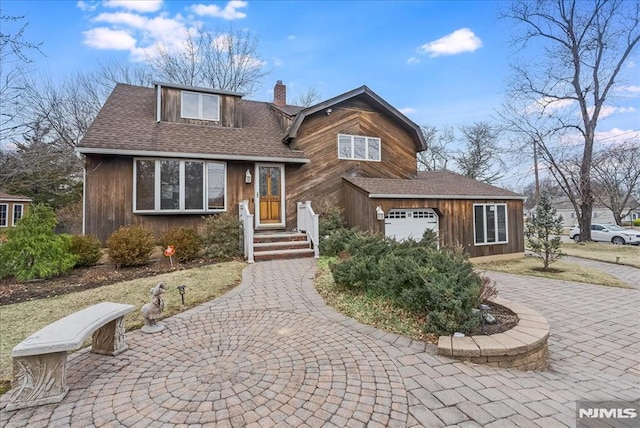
(356, 147)
(4, 215)
(18, 212)
(179, 185)
(195, 105)
(490, 224)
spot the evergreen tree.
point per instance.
(543, 232)
(33, 250)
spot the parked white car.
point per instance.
(608, 233)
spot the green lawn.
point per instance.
(624, 254)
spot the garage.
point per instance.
(402, 224)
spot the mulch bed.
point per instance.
(80, 279)
(506, 320)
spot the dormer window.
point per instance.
(200, 106)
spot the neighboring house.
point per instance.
(168, 155)
(600, 213)
(12, 208)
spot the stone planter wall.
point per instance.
(523, 347)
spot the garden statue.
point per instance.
(151, 311)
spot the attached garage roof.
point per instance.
(431, 185)
(9, 197)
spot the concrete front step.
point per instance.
(282, 254)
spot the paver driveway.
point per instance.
(270, 353)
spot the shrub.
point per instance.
(222, 236)
(131, 245)
(86, 249)
(636, 222)
(453, 291)
(330, 218)
(336, 242)
(33, 250)
(488, 289)
(186, 242)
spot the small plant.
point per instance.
(636, 222)
(86, 249)
(330, 218)
(222, 236)
(488, 289)
(186, 242)
(131, 245)
(33, 250)
(543, 232)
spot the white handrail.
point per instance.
(246, 218)
(308, 222)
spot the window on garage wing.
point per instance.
(4, 212)
(18, 211)
(174, 185)
(200, 106)
(356, 147)
(490, 223)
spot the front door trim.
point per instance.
(283, 204)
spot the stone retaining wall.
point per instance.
(523, 347)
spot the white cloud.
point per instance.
(135, 5)
(628, 91)
(277, 62)
(459, 41)
(616, 135)
(229, 12)
(124, 18)
(106, 38)
(413, 60)
(86, 6)
(292, 37)
(607, 111)
(407, 110)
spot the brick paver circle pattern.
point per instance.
(271, 353)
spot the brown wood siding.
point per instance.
(455, 219)
(109, 204)
(230, 110)
(321, 179)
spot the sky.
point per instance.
(442, 63)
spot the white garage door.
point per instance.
(410, 223)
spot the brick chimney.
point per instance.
(280, 94)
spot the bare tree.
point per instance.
(222, 60)
(616, 177)
(481, 153)
(438, 154)
(308, 97)
(14, 60)
(582, 48)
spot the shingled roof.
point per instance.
(127, 124)
(10, 197)
(431, 185)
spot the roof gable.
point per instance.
(362, 91)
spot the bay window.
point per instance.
(490, 223)
(174, 185)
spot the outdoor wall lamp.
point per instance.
(379, 213)
(328, 111)
(247, 176)
(181, 290)
(484, 309)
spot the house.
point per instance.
(168, 155)
(600, 213)
(12, 208)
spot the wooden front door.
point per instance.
(269, 194)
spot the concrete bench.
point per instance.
(40, 361)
